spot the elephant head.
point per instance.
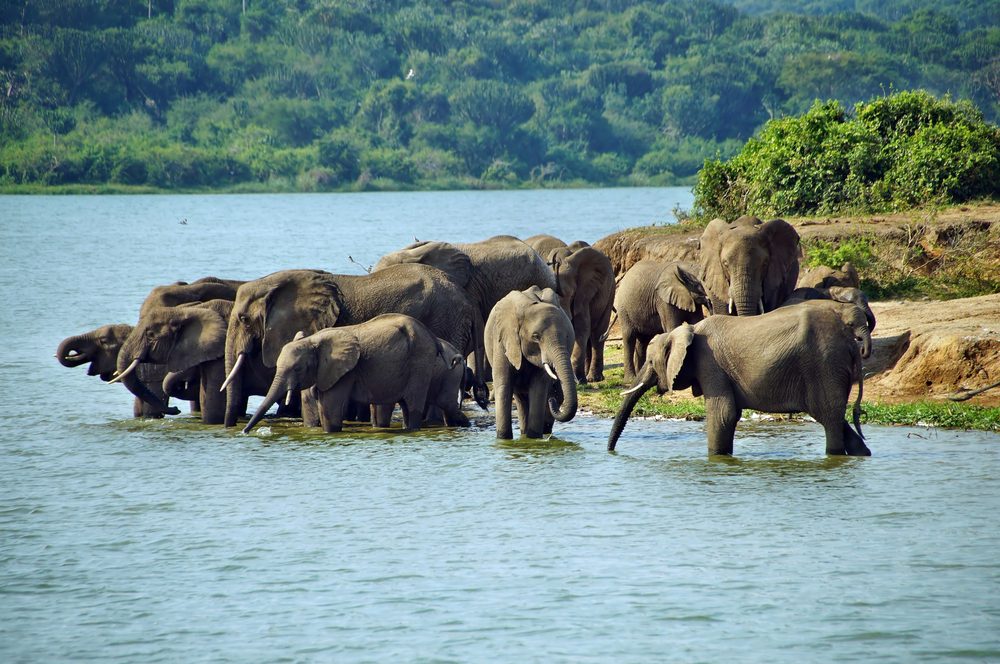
(844, 294)
(266, 315)
(749, 267)
(318, 359)
(100, 347)
(531, 326)
(825, 277)
(179, 337)
(679, 286)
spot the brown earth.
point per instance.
(922, 349)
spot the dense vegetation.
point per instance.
(893, 153)
(328, 94)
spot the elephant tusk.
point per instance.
(125, 373)
(288, 398)
(730, 306)
(631, 390)
(232, 374)
(760, 305)
(549, 371)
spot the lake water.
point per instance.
(164, 541)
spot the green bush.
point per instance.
(900, 151)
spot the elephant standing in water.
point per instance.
(802, 358)
(653, 298)
(268, 312)
(529, 339)
(389, 359)
(749, 267)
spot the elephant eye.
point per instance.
(243, 318)
(535, 336)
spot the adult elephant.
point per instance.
(824, 276)
(268, 312)
(585, 283)
(184, 338)
(388, 359)
(844, 294)
(803, 358)
(544, 244)
(653, 298)
(529, 339)
(749, 267)
(485, 270)
(182, 292)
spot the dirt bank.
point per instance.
(923, 349)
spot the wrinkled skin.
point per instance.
(526, 331)
(184, 338)
(202, 290)
(653, 298)
(802, 358)
(268, 312)
(485, 270)
(749, 267)
(386, 360)
(825, 277)
(837, 294)
(586, 288)
(100, 349)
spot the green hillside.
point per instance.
(317, 95)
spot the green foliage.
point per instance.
(473, 93)
(951, 415)
(899, 151)
(856, 250)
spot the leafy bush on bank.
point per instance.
(900, 151)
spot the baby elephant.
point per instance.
(802, 358)
(389, 359)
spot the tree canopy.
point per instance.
(333, 94)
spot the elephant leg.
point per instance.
(523, 411)
(213, 401)
(503, 398)
(595, 363)
(331, 407)
(538, 396)
(721, 417)
(142, 409)
(310, 408)
(382, 415)
(454, 417)
(641, 344)
(628, 354)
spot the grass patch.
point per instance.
(948, 415)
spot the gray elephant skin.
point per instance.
(802, 358)
(268, 312)
(388, 359)
(824, 276)
(529, 339)
(748, 266)
(653, 298)
(846, 294)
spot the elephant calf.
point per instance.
(392, 358)
(802, 358)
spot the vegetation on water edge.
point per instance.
(331, 95)
(897, 152)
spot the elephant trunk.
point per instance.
(746, 294)
(74, 351)
(128, 361)
(647, 378)
(279, 388)
(565, 411)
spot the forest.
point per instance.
(327, 95)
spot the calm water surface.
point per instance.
(164, 541)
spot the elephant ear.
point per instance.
(338, 352)
(544, 296)
(710, 246)
(308, 301)
(857, 297)
(444, 256)
(506, 317)
(668, 353)
(675, 288)
(783, 266)
(200, 336)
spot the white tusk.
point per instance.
(730, 306)
(632, 389)
(760, 305)
(288, 398)
(122, 375)
(232, 374)
(549, 371)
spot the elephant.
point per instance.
(802, 358)
(837, 294)
(100, 348)
(388, 359)
(748, 266)
(585, 284)
(269, 311)
(825, 277)
(529, 339)
(182, 292)
(183, 338)
(544, 244)
(485, 270)
(652, 298)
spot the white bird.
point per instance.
(410, 74)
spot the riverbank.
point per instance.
(927, 346)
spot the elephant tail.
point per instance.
(856, 411)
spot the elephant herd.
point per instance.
(435, 322)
